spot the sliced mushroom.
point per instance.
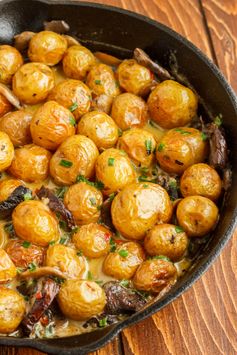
(58, 26)
(5, 91)
(105, 214)
(42, 271)
(22, 40)
(16, 197)
(218, 157)
(108, 59)
(71, 41)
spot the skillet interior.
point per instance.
(119, 32)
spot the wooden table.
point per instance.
(204, 319)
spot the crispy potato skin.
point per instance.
(101, 80)
(121, 267)
(7, 186)
(33, 221)
(7, 268)
(115, 170)
(163, 239)
(129, 110)
(138, 207)
(100, 128)
(5, 105)
(154, 275)
(172, 105)
(30, 163)
(72, 92)
(23, 256)
(47, 47)
(6, 151)
(135, 142)
(93, 240)
(81, 152)
(77, 62)
(10, 61)
(201, 179)
(12, 310)
(17, 125)
(180, 148)
(83, 201)
(197, 215)
(51, 125)
(80, 299)
(33, 82)
(133, 77)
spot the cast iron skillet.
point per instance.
(118, 31)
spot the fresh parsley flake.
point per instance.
(72, 121)
(73, 107)
(204, 136)
(111, 162)
(161, 257)
(160, 147)
(32, 267)
(27, 196)
(65, 163)
(218, 120)
(52, 242)
(63, 240)
(123, 253)
(178, 229)
(113, 245)
(60, 191)
(26, 244)
(103, 322)
(148, 145)
(182, 131)
(124, 283)
(111, 197)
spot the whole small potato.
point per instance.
(139, 145)
(17, 125)
(51, 125)
(101, 80)
(201, 179)
(197, 215)
(74, 95)
(172, 105)
(100, 128)
(30, 163)
(75, 156)
(84, 202)
(123, 263)
(154, 275)
(77, 62)
(133, 77)
(66, 260)
(81, 299)
(33, 82)
(7, 268)
(129, 110)
(5, 105)
(10, 61)
(12, 310)
(115, 170)
(7, 187)
(167, 240)
(180, 148)
(23, 253)
(138, 207)
(93, 240)
(6, 151)
(47, 47)
(34, 222)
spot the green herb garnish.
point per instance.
(111, 162)
(60, 191)
(65, 163)
(80, 253)
(32, 266)
(204, 136)
(73, 107)
(123, 253)
(63, 240)
(160, 147)
(72, 121)
(52, 242)
(103, 322)
(89, 276)
(113, 245)
(98, 82)
(97, 184)
(145, 186)
(178, 229)
(120, 132)
(182, 131)
(148, 145)
(124, 283)
(99, 282)
(27, 196)
(111, 197)
(160, 257)
(93, 201)
(26, 244)
(218, 120)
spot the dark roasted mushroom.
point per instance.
(42, 271)
(218, 156)
(170, 184)
(16, 197)
(58, 26)
(105, 214)
(22, 40)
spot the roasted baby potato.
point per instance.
(10, 61)
(197, 215)
(101, 80)
(6, 151)
(77, 62)
(81, 299)
(5, 105)
(33, 82)
(75, 156)
(138, 207)
(7, 268)
(30, 163)
(7, 187)
(23, 253)
(51, 125)
(34, 222)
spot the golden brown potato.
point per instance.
(31, 163)
(101, 80)
(7, 187)
(102, 103)
(17, 125)
(172, 105)
(81, 299)
(47, 47)
(100, 128)
(23, 253)
(197, 215)
(129, 111)
(7, 268)
(138, 207)
(180, 148)
(6, 151)
(12, 310)
(51, 125)
(93, 240)
(77, 62)
(154, 275)
(75, 156)
(201, 179)
(139, 145)
(66, 260)
(10, 61)
(34, 222)
(123, 263)
(74, 95)
(115, 170)
(33, 82)
(84, 201)
(167, 240)
(134, 77)
(5, 105)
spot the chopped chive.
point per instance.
(99, 282)
(218, 120)
(111, 162)
(98, 82)
(65, 163)
(173, 184)
(63, 224)
(113, 245)
(124, 283)
(73, 107)
(123, 253)
(60, 191)
(52, 242)
(72, 121)
(120, 132)
(26, 244)
(27, 196)
(145, 186)
(204, 136)
(89, 276)
(148, 145)
(182, 131)
(99, 185)
(80, 253)
(144, 170)
(103, 322)
(93, 201)
(63, 240)
(178, 229)
(111, 196)
(160, 147)
(160, 257)
(32, 266)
